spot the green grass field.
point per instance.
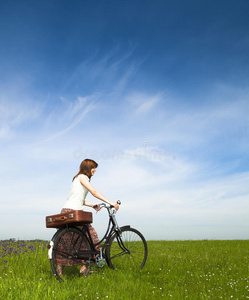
(174, 270)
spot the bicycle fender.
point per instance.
(56, 233)
(50, 249)
(121, 228)
(125, 227)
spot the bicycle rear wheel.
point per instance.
(65, 259)
(127, 250)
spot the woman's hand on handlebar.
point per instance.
(115, 205)
(97, 207)
(110, 204)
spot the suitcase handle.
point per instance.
(56, 219)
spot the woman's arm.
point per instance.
(87, 203)
(94, 206)
(96, 193)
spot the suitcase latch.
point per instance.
(70, 216)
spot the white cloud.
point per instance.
(175, 196)
(156, 172)
(16, 113)
(71, 115)
(143, 103)
(108, 74)
(5, 132)
(147, 152)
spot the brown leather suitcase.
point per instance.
(75, 217)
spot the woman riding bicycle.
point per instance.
(76, 201)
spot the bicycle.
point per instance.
(121, 247)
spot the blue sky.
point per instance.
(155, 91)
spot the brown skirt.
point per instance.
(66, 240)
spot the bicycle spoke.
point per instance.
(65, 254)
(119, 254)
(128, 251)
(72, 250)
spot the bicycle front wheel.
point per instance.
(127, 250)
(66, 259)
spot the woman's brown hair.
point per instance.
(85, 168)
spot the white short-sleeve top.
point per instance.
(77, 196)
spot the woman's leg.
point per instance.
(59, 269)
(94, 236)
(59, 265)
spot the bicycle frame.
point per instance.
(79, 248)
(112, 228)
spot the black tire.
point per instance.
(65, 246)
(134, 253)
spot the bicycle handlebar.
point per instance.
(109, 206)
